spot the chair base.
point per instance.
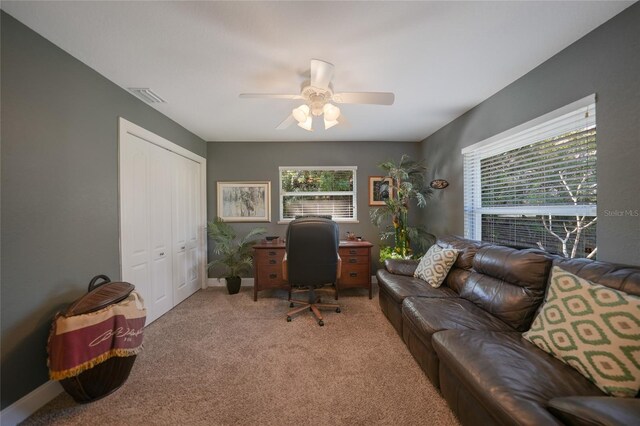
(314, 306)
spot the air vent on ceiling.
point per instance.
(147, 95)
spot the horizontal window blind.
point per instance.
(318, 191)
(513, 184)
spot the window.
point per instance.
(536, 186)
(318, 191)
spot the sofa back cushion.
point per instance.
(508, 283)
(620, 277)
(461, 269)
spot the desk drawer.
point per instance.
(353, 251)
(269, 261)
(270, 277)
(354, 260)
(354, 275)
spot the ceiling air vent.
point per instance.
(147, 95)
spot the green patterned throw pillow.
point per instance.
(435, 264)
(594, 329)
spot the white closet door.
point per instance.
(194, 231)
(134, 171)
(159, 220)
(186, 234)
(162, 218)
(146, 201)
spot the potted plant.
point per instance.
(407, 183)
(234, 253)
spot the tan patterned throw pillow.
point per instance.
(435, 264)
(594, 329)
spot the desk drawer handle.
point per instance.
(273, 276)
(162, 254)
(353, 260)
(353, 251)
(353, 274)
(272, 253)
(272, 262)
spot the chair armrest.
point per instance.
(595, 410)
(285, 271)
(401, 266)
(339, 271)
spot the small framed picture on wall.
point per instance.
(244, 201)
(379, 190)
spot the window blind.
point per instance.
(543, 173)
(318, 191)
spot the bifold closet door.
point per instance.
(186, 233)
(146, 221)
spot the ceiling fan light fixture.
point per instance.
(301, 114)
(329, 123)
(331, 112)
(306, 124)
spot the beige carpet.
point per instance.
(218, 359)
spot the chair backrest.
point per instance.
(312, 251)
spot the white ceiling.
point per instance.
(439, 58)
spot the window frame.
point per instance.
(353, 193)
(520, 136)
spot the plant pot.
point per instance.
(233, 284)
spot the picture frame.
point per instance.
(375, 197)
(244, 201)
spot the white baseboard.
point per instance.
(28, 404)
(214, 282)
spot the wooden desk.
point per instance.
(267, 266)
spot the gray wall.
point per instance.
(235, 161)
(605, 62)
(59, 190)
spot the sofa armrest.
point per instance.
(401, 266)
(595, 410)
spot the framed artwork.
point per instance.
(244, 201)
(378, 192)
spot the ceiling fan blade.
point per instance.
(286, 123)
(376, 98)
(269, 95)
(321, 73)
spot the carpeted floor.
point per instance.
(218, 359)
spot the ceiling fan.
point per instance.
(317, 95)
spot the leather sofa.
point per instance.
(467, 335)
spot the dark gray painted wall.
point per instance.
(59, 190)
(605, 62)
(233, 161)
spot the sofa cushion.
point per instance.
(593, 328)
(596, 410)
(508, 283)
(401, 266)
(399, 286)
(621, 277)
(467, 249)
(429, 316)
(511, 378)
(435, 264)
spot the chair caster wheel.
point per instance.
(320, 323)
(288, 319)
(338, 310)
(291, 305)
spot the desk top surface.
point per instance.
(279, 243)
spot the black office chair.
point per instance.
(311, 261)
